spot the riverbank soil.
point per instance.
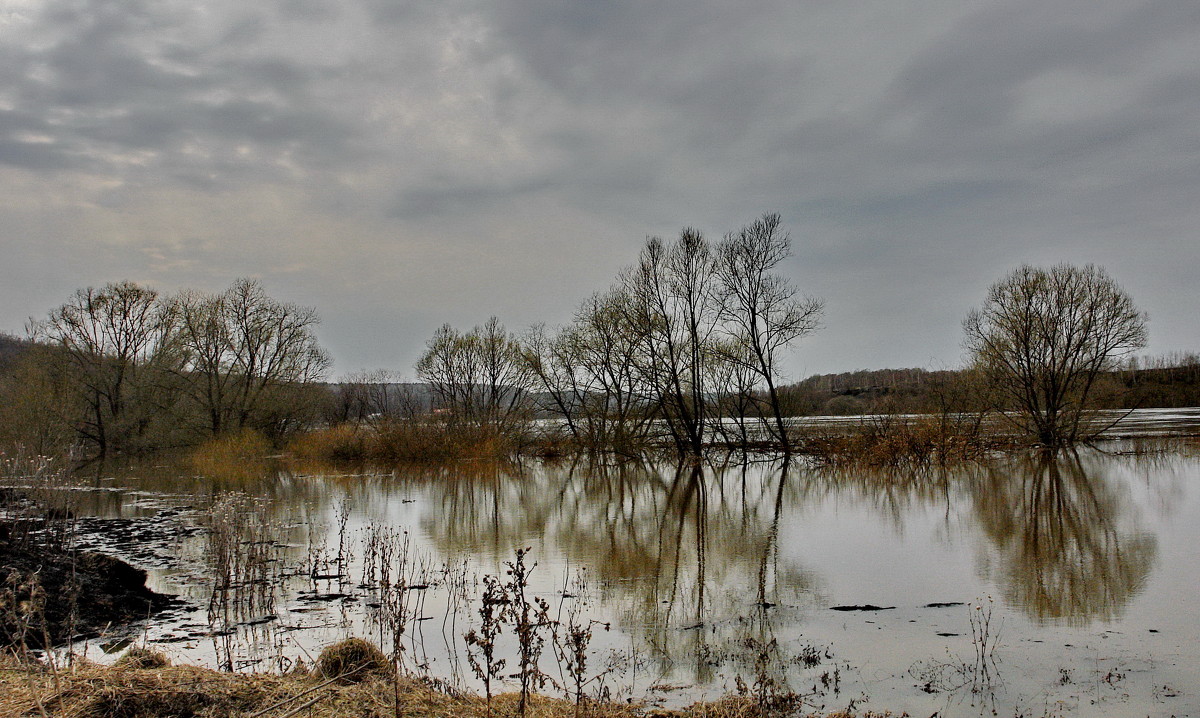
(50, 593)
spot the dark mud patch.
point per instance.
(52, 588)
(51, 596)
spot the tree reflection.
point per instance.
(893, 492)
(1066, 548)
(686, 555)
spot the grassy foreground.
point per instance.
(124, 691)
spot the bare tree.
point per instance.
(37, 409)
(553, 363)
(670, 304)
(618, 407)
(481, 377)
(736, 388)
(110, 342)
(203, 336)
(1043, 336)
(689, 335)
(588, 374)
(368, 397)
(248, 357)
(762, 312)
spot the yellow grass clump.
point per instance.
(352, 661)
(138, 657)
(237, 455)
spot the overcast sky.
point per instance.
(398, 165)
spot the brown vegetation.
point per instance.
(352, 661)
(893, 440)
(124, 370)
(429, 439)
(92, 691)
(241, 454)
(138, 658)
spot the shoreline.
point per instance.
(88, 690)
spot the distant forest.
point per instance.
(11, 347)
(1170, 381)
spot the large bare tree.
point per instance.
(1042, 338)
(248, 357)
(690, 335)
(671, 302)
(763, 313)
(110, 342)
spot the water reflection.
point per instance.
(677, 545)
(721, 570)
(685, 557)
(1067, 546)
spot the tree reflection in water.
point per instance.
(686, 555)
(1067, 549)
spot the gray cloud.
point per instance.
(404, 164)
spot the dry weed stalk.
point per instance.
(244, 565)
(481, 644)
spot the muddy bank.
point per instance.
(50, 591)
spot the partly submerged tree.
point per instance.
(670, 300)
(588, 373)
(687, 343)
(1041, 339)
(762, 311)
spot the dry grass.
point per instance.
(400, 441)
(91, 691)
(111, 692)
(901, 441)
(240, 455)
(341, 443)
(352, 661)
(138, 657)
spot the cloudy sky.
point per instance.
(398, 165)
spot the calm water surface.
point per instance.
(1081, 567)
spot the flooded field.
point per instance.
(1032, 584)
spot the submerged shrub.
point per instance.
(343, 442)
(236, 455)
(899, 441)
(420, 439)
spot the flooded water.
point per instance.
(1033, 584)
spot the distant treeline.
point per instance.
(1170, 381)
(378, 398)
